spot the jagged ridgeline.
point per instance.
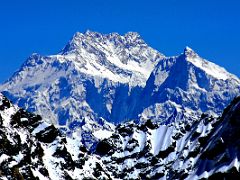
(30, 148)
(100, 78)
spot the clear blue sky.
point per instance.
(211, 27)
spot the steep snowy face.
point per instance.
(101, 78)
(206, 149)
(187, 84)
(90, 78)
(125, 59)
(209, 68)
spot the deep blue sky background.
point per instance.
(210, 27)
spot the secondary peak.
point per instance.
(189, 52)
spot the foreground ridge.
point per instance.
(30, 148)
(206, 149)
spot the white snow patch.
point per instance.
(160, 139)
(102, 134)
(40, 128)
(36, 173)
(3, 157)
(24, 119)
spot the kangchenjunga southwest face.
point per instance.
(99, 78)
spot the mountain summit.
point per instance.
(99, 78)
(208, 67)
(78, 40)
(124, 59)
(188, 52)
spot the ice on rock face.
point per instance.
(92, 64)
(112, 56)
(191, 83)
(97, 80)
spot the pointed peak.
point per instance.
(133, 37)
(77, 34)
(87, 33)
(94, 34)
(187, 49)
(189, 52)
(132, 34)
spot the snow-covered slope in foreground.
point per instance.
(207, 149)
(119, 78)
(30, 148)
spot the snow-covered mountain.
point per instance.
(187, 85)
(90, 78)
(30, 148)
(101, 78)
